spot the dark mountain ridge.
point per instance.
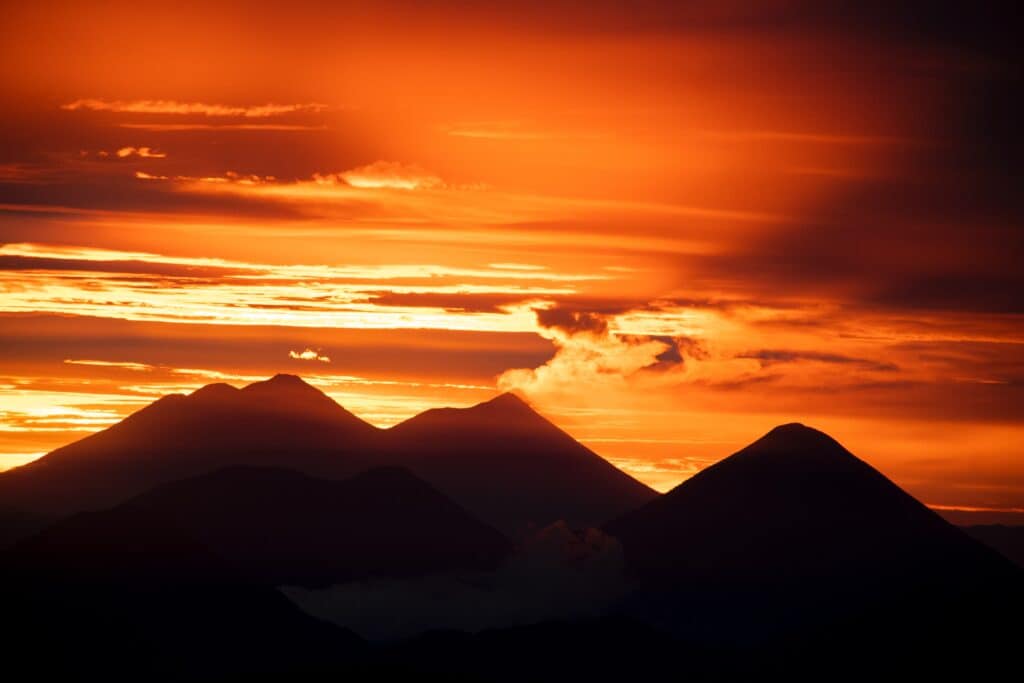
(280, 422)
(501, 460)
(793, 503)
(794, 532)
(778, 562)
(512, 467)
(271, 526)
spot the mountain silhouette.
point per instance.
(794, 503)
(276, 526)
(1007, 539)
(511, 467)
(780, 561)
(791, 529)
(280, 422)
(139, 600)
(500, 460)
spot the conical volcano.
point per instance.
(513, 468)
(794, 504)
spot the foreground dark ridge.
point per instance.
(777, 563)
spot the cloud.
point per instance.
(387, 174)
(453, 302)
(231, 177)
(191, 108)
(142, 175)
(309, 354)
(572, 322)
(772, 356)
(141, 152)
(127, 365)
(178, 127)
(588, 354)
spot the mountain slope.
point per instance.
(1007, 540)
(793, 504)
(792, 533)
(279, 422)
(511, 467)
(133, 599)
(502, 461)
(276, 526)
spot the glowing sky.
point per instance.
(670, 226)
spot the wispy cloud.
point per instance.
(191, 108)
(141, 367)
(175, 127)
(818, 138)
(390, 174)
(974, 508)
(228, 177)
(85, 281)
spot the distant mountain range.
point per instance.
(501, 460)
(157, 550)
(274, 526)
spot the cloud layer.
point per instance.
(666, 265)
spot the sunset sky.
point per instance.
(669, 226)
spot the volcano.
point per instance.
(512, 467)
(500, 460)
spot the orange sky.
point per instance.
(670, 228)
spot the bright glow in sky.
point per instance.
(670, 228)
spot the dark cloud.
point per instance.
(944, 232)
(131, 266)
(768, 357)
(671, 355)
(46, 340)
(571, 322)
(455, 303)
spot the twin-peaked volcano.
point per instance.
(279, 422)
(500, 460)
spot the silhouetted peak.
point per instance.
(501, 412)
(281, 382)
(797, 435)
(215, 391)
(791, 428)
(288, 388)
(795, 445)
(157, 410)
(505, 402)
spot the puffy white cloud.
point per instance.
(309, 354)
(588, 354)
